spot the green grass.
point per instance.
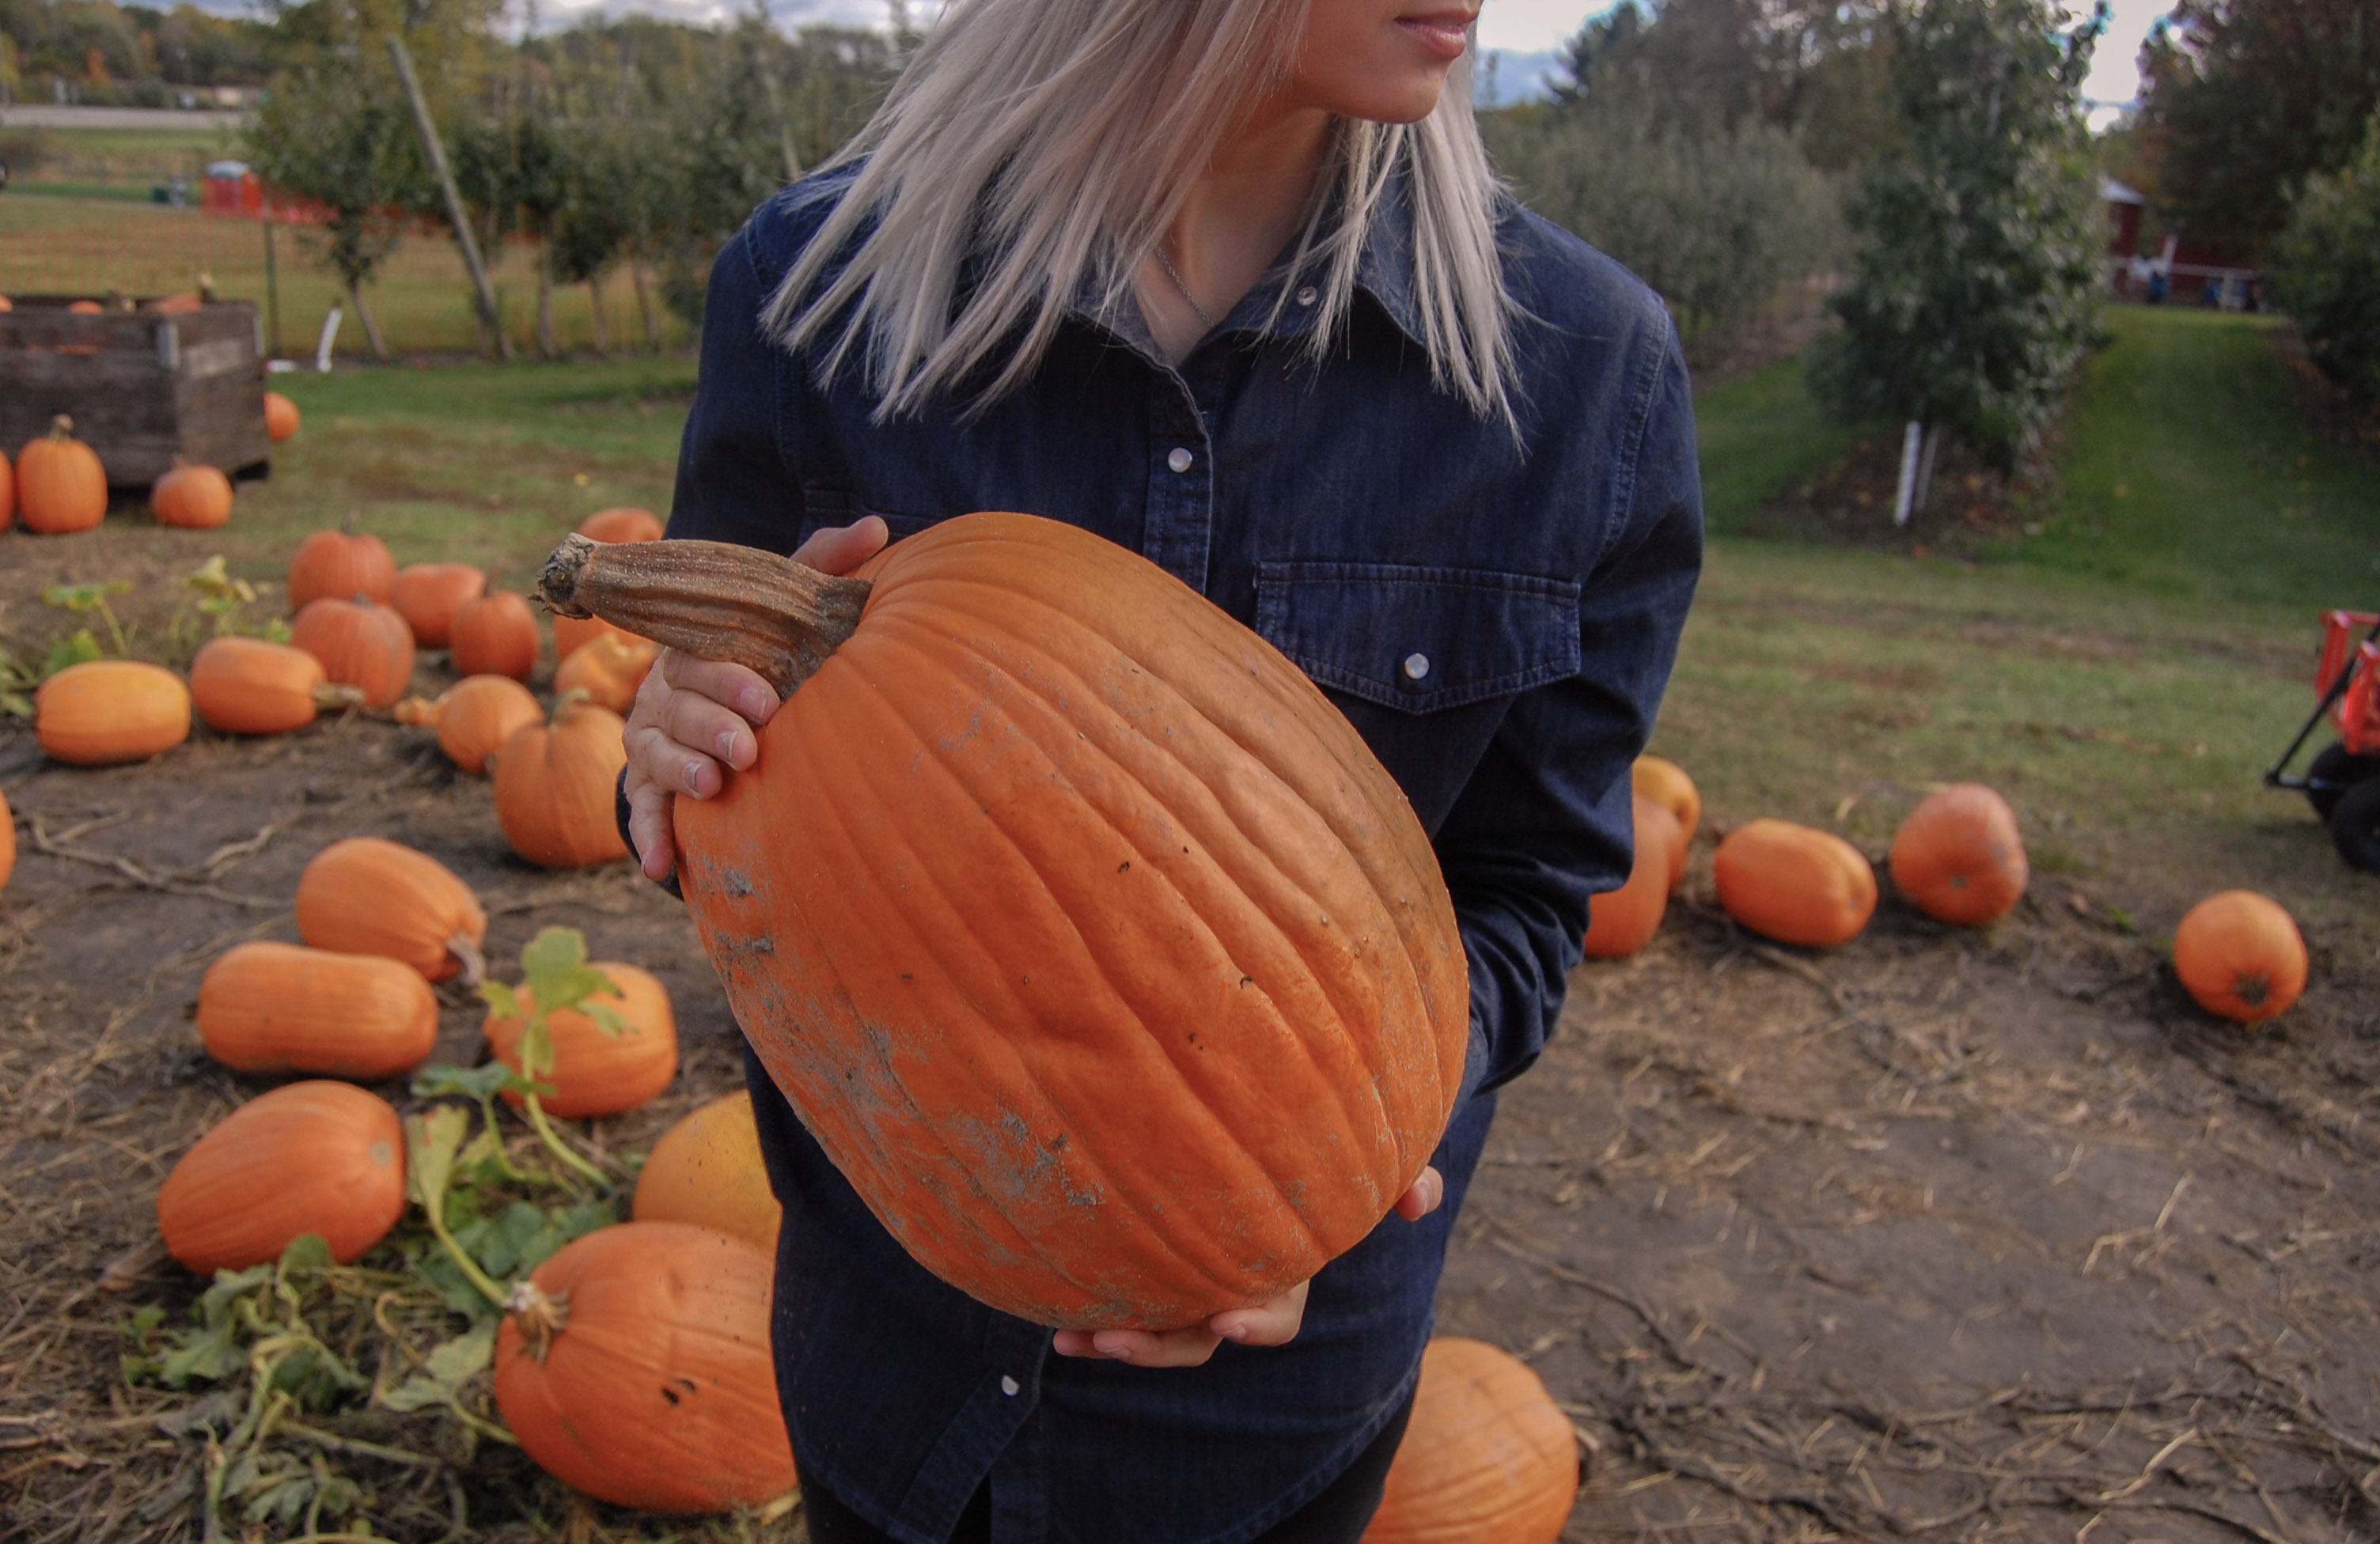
(1760, 433)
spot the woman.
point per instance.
(1230, 282)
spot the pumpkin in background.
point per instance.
(107, 711)
(473, 717)
(8, 492)
(250, 686)
(1042, 825)
(1487, 1457)
(343, 564)
(1666, 783)
(280, 416)
(621, 524)
(312, 1157)
(494, 633)
(556, 785)
(276, 1008)
(609, 669)
(1794, 884)
(707, 1170)
(61, 488)
(196, 498)
(1959, 858)
(595, 1072)
(360, 643)
(366, 895)
(425, 595)
(8, 841)
(85, 308)
(572, 634)
(1623, 920)
(2240, 956)
(633, 1366)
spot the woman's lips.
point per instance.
(1443, 35)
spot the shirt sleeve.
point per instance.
(1546, 819)
(733, 482)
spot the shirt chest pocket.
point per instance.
(1418, 638)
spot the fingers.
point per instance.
(841, 548)
(1273, 1322)
(735, 688)
(649, 831)
(1423, 1199)
(692, 720)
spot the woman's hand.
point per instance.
(695, 719)
(1272, 1322)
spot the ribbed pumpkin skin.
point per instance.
(425, 595)
(369, 895)
(280, 416)
(364, 645)
(621, 524)
(707, 1170)
(1959, 858)
(277, 1007)
(594, 1073)
(554, 789)
(251, 686)
(1794, 884)
(1624, 921)
(312, 1157)
(337, 563)
(61, 488)
(494, 633)
(609, 669)
(108, 711)
(197, 497)
(1087, 937)
(659, 1391)
(2239, 954)
(1487, 1456)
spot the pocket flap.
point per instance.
(1419, 638)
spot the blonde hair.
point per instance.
(1052, 142)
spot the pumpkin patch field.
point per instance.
(1956, 1217)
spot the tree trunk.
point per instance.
(371, 326)
(546, 346)
(595, 309)
(645, 306)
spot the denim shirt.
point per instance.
(1497, 617)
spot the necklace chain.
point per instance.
(1166, 263)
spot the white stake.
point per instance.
(331, 335)
(1909, 444)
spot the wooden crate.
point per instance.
(142, 386)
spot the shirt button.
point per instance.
(1179, 459)
(1008, 1386)
(1308, 296)
(1416, 666)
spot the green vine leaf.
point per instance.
(445, 1370)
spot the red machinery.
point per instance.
(2343, 782)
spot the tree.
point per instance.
(1973, 298)
(2327, 270)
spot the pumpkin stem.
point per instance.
(61, 429)
(354, 521)
(475, 964)
(566, 704)
(538, 1316)
(421, 712)
(713, 599)
(330, 696)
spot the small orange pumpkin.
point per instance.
(609, 669)
(1487, 1457)
(280, 417)
(8, 492)
(1794, 884)
(635, 1366)
(555, 787)
(1624, 921)
(707, 1170)
(473, 717)
(86, 308)
(197, 497)
(61, 488)
(572, 634)
(1959, 858)
(621, 524)
(425, 595)
(342, 563)
(107, 711)
(494, 633)
(7, 842)
(1666, 783)
(366, 895)
(2239, 954)
(312, 1157)
(595, 1072)
(277, 1007)
(250, 686)
(360, 643)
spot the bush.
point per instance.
(2325, 271)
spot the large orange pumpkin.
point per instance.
(277, 1007)
(360, 643)
(1487, 1457)
(621, 524)
(343, 563)
(106, 711)
(1666, 783)
(61, 488)
(494, 633)
(595, 1072)
(425, 595)
(1958, 857)
(1794, 884)
(366, 895)
(609, 669)
(280, 416)
(1624, 921)
(312, 1157)
(474, 717)
(1045, 825)
(556, 787)
(250, 686)
(635, 1366)
(2240, 955)
(197, 498)
(707, 1170)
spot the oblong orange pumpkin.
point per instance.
(61, 488)
(360, 643)
(197, 498)
(1666, 783)
(1044, 825)
(625, 523)
(251, 686)
(494, 633)
(609, 669)
(556, 785)
(594, 1072)
(107, 711)
(277, 1007)
(707, 1170)
(280, 416)
(2239, 954)
(342, 563)
(474, 717)
(313, 1157)
(572, 634)
(425, 595)
(637, 1368)
(1487, 1457)
(1624, 920)
(1794, 884)
(1959, 858)
(366, 895)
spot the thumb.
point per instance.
(840, 549)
